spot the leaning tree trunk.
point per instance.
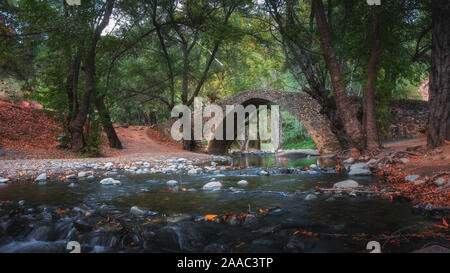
(373, 143)
(351, 124)
(76, 125)
(439, 91)
(113, 139)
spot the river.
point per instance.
(44, 218)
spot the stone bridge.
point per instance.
(406, 118)
(300, 105)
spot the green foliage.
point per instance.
(295, 135)
(302, 144)
(142, 71)
(10, 90)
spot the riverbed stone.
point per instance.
(440, 181)
(310, 197)
(404, 160)
(41, 233)
(192, 172)
(294, 244)
(360, 172)
(412, 178)
(233, 221)
(250, 221)
(433, 249)
(4, 180)
(346, 184)
(350, 160)
(180, 237)
(360, 165)
(263, 173)
(82, 174)
(212, 186)
(172, 183)
(242, 183)
(71, 176)
(135, 211)
(110, 181)
(41, 178)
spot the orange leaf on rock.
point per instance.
(210, 217)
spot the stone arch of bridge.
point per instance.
(300, 105)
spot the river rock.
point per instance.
(172, 183)
(350, 160)
(41, 233)
(233, 221)
(71, 176)
(294, 244)
(109, 181)
(346, 184)
(242, 183)
(181, 237)
(41, 178)
(433, 249)
(212, 186)
(108, 165)
(359, 172)
(360, 165)
(412, 178)
(263, 173)
(84, 174)
(310, 197)
(4, 180)
(192, 172)
(313, 167)
(440, 181)
(404, 160)
(135, 211)
(250, 221)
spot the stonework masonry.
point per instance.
(406, 117)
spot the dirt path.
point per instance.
(142, 140)
(430, 162)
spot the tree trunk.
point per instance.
(351, 124)
(113, 139)
(76, 125)
(439, 91)
(373, 143)
(72, 87)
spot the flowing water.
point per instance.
(44, 218)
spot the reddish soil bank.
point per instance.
(32, 134)
(430, 165)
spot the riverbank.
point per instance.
(408, 169)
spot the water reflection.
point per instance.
(268, 161)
